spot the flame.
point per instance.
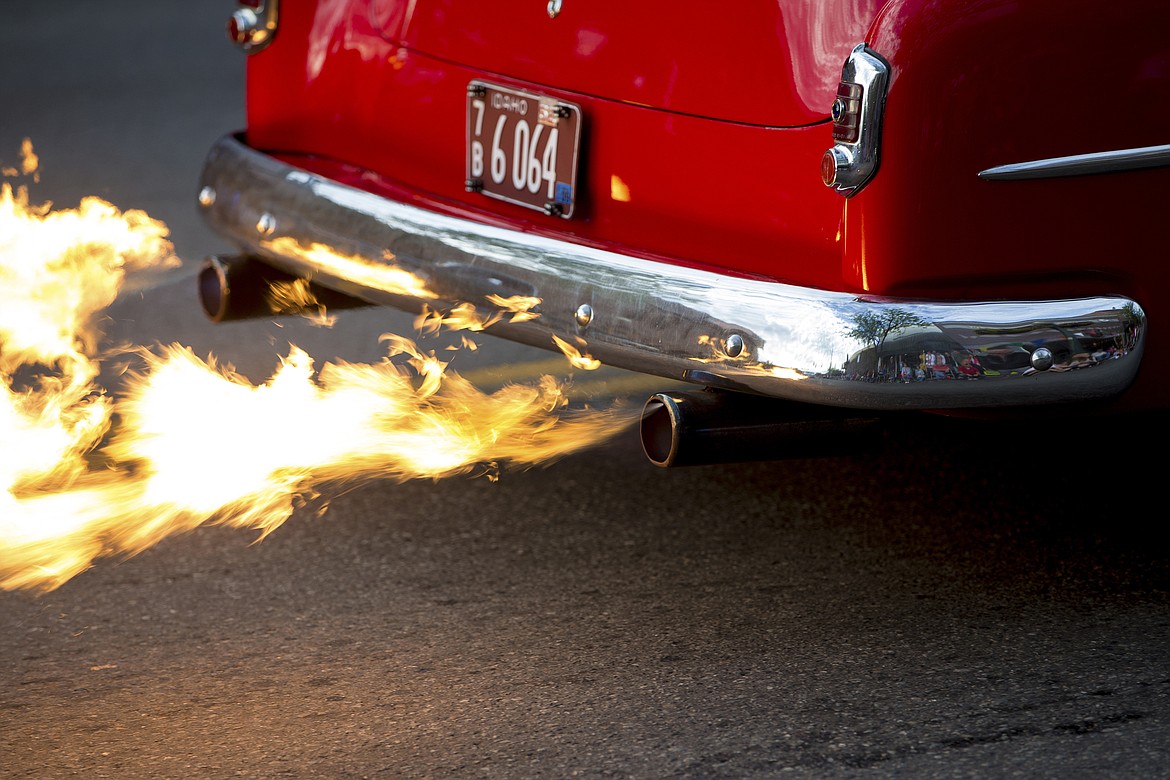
(297, 297)
(521, 306)
(383, 276)
(576, 357)
(29, 163)
(88, 475)
(466, 316)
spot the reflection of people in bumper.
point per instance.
(936, 365)
(968, 368)
(1079, 360)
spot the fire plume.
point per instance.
(86, 475)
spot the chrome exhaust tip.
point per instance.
(714, 426)
(242, 288)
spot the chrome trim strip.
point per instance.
(792, 342)
(1082, 164)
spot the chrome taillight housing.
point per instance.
(852, 160)
(253, 25)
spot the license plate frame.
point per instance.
(509, 132)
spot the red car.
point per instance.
(819, 213)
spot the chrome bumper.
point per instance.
(764, 337)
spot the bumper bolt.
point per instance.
(584, 315)
(266, 224)
(735, 345)
(207, 196)
(1042, 359)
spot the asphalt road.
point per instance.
(970, 601)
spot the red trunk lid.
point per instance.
(762, 62)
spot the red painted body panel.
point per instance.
(928, 224)
(768, 63)
(721, 194)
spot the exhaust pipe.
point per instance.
(716, 426)
(242, 288)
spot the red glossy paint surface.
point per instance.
(696, 190)
(1005, 82)
(765, 62)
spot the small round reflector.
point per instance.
(829, 168)
(242, 26)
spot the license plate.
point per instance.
(522, 148)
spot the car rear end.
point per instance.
(655, 177)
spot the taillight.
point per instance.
(857, 120)
(846, 112)
(253, 25)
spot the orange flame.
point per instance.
(521, 306)
(466, 316)
(577, 358)
(297, 297)
(29, 163)
(77, 486)
(383, 276)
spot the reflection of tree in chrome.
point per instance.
(1131, 315)
(875, 328)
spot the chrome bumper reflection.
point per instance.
(779, 340)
